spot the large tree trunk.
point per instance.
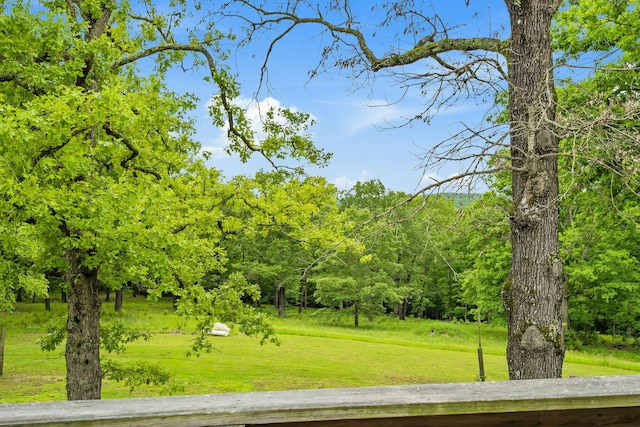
(82, 354)
(532, 296)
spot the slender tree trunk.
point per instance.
(306, 294)
(613, 330)
(118, 302)
(82, 354)
(282, 302)
(276, 296)
(302, 295)
(3, 333)
(356, 314)
(532, 296)
(47, 299)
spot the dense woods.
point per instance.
(105, 189)
(444, 257)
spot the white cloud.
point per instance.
(430, 179)
(344, 183)
(215, 150)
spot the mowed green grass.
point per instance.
(312, 354)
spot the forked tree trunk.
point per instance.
(532, 296)
(82, 354)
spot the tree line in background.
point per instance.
(367, 252)
(104, 187)
(438, 258)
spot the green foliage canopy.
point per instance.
(102, 179)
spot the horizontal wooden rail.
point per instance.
(572, 401)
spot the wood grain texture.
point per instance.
(571, 401)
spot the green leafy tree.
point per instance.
(406, 247)
(433, 256)
(603, 271)
(600, 211)
(598, 26)
(488, 258)
(357, 280)
(599, 120)
(357, 295)
(415, 240)
(295, 225)
(101, 178)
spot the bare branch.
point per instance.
(152, 51)
(445, 82)
(425, 48)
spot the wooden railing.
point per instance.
(571, 402)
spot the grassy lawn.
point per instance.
(312, 354)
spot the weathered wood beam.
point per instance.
(571, 401)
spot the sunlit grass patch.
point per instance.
(312, 354)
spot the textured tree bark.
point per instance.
(532, 296)
(84, 377)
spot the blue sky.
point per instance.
(351, 114)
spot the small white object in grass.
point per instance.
(219, 329)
